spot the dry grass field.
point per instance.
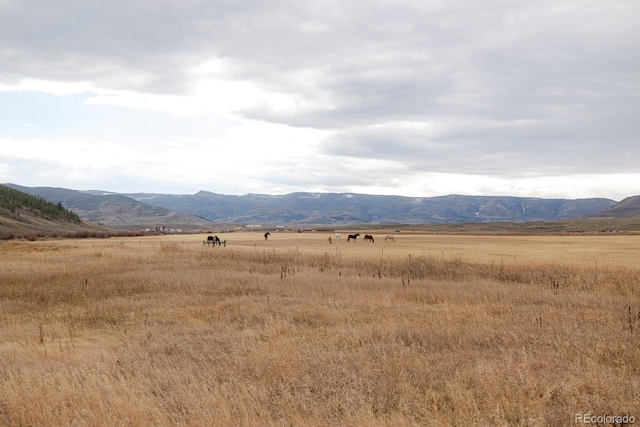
(429, 330)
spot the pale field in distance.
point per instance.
(432, 330)
(567, 249)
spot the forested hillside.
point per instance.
(18, 202)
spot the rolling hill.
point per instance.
(626, 208)
(117, 211)
(24, 213)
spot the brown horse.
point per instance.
(368, 237)
(352, 236)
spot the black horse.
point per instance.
(266, 235)
(352, 236)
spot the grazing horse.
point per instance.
(368, 237)
(330, 241)
(266, 235)
(352, 236)
(215, 240)
(392, 238)
(338, 235)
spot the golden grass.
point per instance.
(430, 330)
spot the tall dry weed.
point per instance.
(174, 334)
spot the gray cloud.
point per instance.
(487, 87)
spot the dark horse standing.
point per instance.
(266, 235)
(352, 236)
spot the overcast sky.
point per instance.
(414, 98)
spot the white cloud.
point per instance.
(99, 155)
(50, 87)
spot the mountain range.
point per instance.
(203, 210)
(349, 208)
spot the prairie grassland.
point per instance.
(429, 330)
